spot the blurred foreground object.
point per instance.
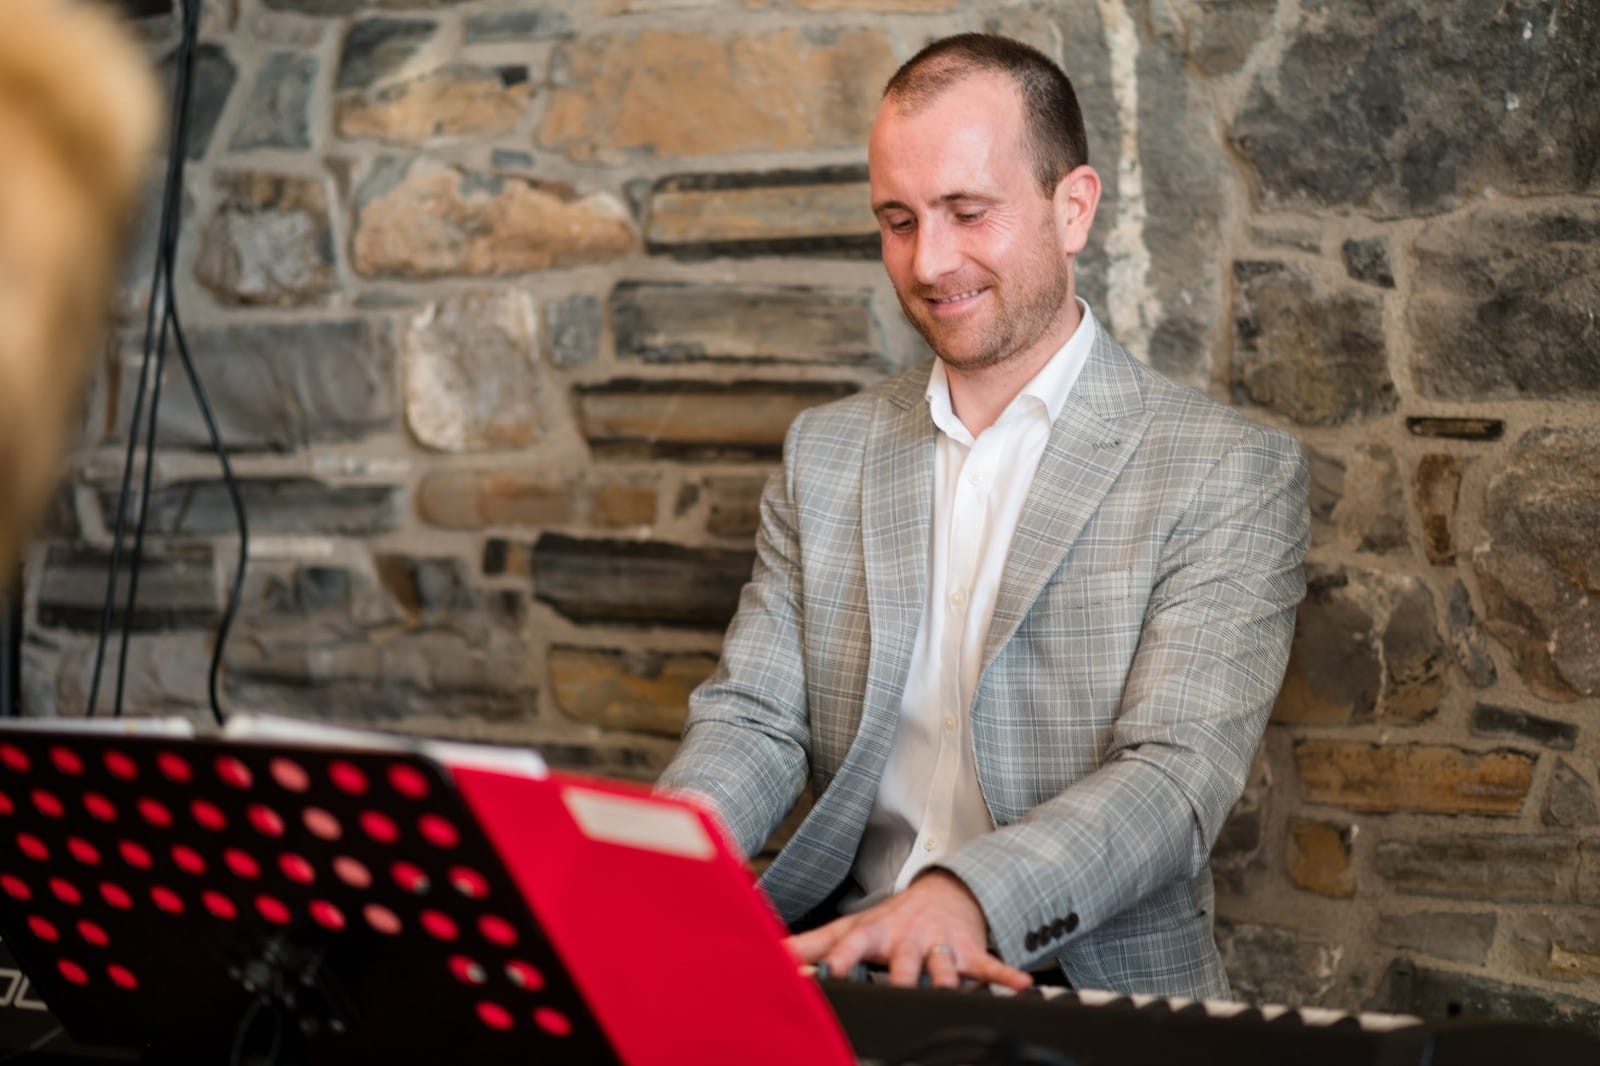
(78, 117)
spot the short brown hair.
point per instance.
(1056, 138)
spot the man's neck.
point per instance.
(979, 397)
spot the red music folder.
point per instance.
(663, 930)
(670, 941)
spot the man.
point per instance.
(1020, 621)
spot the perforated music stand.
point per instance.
(198, 896)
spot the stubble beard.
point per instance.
(1012, 328)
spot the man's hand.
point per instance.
(935, 924)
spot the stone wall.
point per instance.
(504, 307)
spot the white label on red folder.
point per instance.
(638, 823)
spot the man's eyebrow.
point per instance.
(959, 196)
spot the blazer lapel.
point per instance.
(896, 514)
(1098, 429)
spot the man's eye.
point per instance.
(969, 216)
(900, 225)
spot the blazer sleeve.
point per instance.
(1211, 656)
(746, 744)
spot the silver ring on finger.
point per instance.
(941, 949)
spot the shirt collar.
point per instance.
(1050, 387)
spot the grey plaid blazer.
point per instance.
(1140, 637)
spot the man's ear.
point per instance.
(1076, 197)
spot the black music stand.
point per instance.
(269, 902)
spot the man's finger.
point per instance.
(905, 963)
(985, 967)
(942, 966)
(813, 944)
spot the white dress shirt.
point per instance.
(929, 802)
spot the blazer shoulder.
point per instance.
(850, 415)
(1187, 419)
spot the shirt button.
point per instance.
(976, 478)
(958, 598)
(929, 844)
(949, 721)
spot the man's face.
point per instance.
(970, 240)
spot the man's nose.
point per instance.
(937, 253)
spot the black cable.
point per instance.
(235, 593)
(163, 300)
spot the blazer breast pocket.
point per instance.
(1088, 626)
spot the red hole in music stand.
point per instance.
(6, 806)
(115, 895)
(242, 863)
(438, 832)
(219, 905)
(47, 803)
(524, 975)
(296, 868)
(99, 808)
(439, 925)
(347, 777)
(272, 909)
(42, 928)
(122, 977)
(134, 854)
(289, 774)
(166, 899)
(233, 773)
(15, 887)
(65, 891)
(120, 766)
(320, 824)
(92, 933)
(67, 761)
(73, 972)
(14, 758)
(381, 919)
(552, 1021)
(379, 827)
(174, 767)
(497, 930)
(154, 811)
(467, 971)
(408, 781)
(468, 882)
(188, 859)
(83, 851)
(410, 877)
(266, 821)
(352, 871)
(494, 1016)
(32, 847)
(327, 915)
(208, 815)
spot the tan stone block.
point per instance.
(465, 499)
(1319, 859)
(455, 102)
(761, 214)
(669, 92)
(616, 690)
(1438, 487)
(616, 506)
(1413, 777)
(436, 221)
(472, 373)
(677, 418)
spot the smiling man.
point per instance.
(1017, 619)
